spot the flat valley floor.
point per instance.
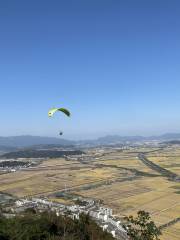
(117, 177)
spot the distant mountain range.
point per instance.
(9, 143)
(26, 141)
(117, 138)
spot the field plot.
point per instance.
(171, 163)
(131, 163)
(144, 193)
(56, 161)
(172, 232)
(166, 151)
(54, 175)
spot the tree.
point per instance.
(141, 227)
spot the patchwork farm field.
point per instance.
(169, 159)
(54, 175)
(117, 177)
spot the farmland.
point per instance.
(117, 177)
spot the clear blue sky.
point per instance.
(114, 63)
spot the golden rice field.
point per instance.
(171, 163)
(108, 175)
(49, 177)
(157, 195)
(172, 232)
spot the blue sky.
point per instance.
(114, 63)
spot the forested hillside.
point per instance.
(42, 226)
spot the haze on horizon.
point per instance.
(114, 64)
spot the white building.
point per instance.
(113, 233)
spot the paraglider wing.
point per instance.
(65, 111)
(53, 110)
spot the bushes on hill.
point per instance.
(47, 226)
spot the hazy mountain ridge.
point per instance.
(27, 141)
(116, 138)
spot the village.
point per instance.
(103, 216)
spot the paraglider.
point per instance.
(52, 111)
(64, 110)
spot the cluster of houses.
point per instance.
(102, 215)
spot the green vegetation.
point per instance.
(42, 226)
(32, 225)
(40, 154)
(141, 227)
(4, 164)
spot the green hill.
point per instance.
(47, 226)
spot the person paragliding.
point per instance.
(52, 111)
